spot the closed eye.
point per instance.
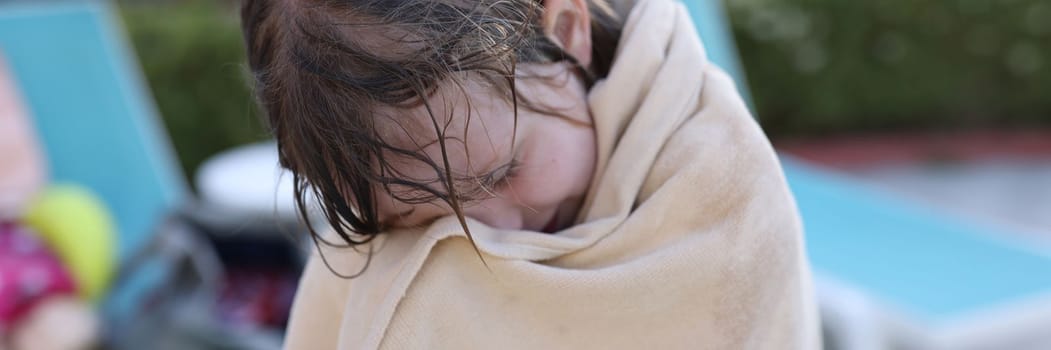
(501, 177)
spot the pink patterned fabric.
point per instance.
(29, 273)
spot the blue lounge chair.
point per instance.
(92, 110)
(892, 273)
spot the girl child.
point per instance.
(525, 174)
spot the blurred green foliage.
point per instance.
(192, 55)
(821, 66)
(815, 66)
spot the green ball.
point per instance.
(80, 230)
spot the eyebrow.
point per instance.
(387, 219)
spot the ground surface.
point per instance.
(996, 178)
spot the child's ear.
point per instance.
(568, 24)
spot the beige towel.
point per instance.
(689, 239)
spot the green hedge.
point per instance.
(192, 55)
(814, 66)
(820, 66)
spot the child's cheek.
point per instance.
(542, 180)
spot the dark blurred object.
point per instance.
(261, 265)
(206, 288)
(821, 66)
(192, 55)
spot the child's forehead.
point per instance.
(471, 116)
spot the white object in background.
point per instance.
(246, 185)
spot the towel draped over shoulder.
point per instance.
(689, 237)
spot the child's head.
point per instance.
(396, 112)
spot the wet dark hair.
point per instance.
(322, 68)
